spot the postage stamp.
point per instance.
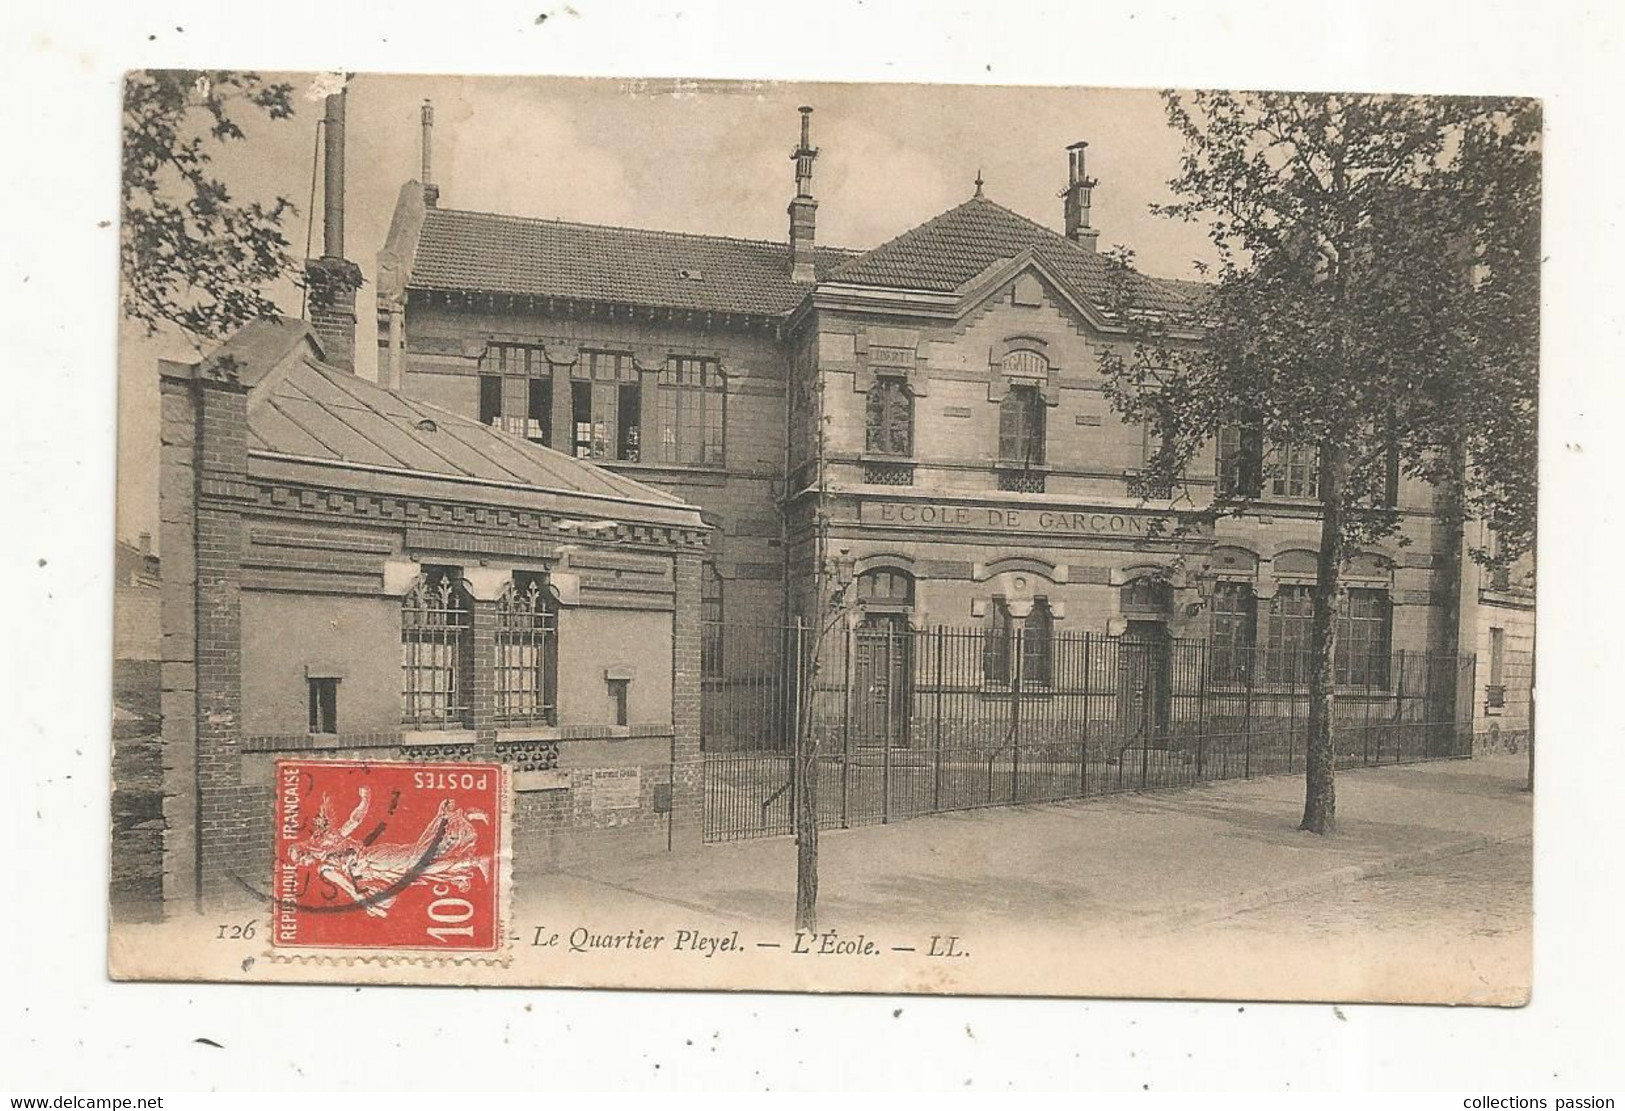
(385, 855)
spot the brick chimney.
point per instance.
(1079, 185)
(803, 209)
(431, 191)
(331, 281)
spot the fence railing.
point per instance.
(904, 722)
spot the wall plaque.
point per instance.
(616, 789)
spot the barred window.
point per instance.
(604, 407)
(1021, 426)
(889, 418)
(1037, 645)
(437, 657)
(692, 396)
(527, 653)
(1297, 471)
(1235, 632)
(710, 622)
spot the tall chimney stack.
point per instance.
(331, 281)
(1079, 185)
(803, 209)
(431, 191)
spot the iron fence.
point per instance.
(903, 722)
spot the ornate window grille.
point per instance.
(889, 418)
(437, 651)
(691, 400)
(527, 653)
(888, 474)
(1021, 482)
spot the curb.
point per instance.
(1314, 885)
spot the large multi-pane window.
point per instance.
(525, 409)
(604, 407)
(437, 652)
(1361, 659)
(1296, 473)
(527, 653)
(1235, 632)
(691, 398)
(889, 418)
(1362, 643)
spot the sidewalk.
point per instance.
(1130, 866)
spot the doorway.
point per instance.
(1144, 686)
(880, 681)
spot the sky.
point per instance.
(680, 155)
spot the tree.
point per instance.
(193, 256)
(1375, 314)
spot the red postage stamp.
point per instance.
(383, 855)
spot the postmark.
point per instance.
(383, 855)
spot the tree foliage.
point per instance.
(193, 256)
(1375, 314)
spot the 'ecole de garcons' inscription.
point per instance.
(1073, 522)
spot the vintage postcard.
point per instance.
(859, 538)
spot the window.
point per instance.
(1241, 453)
(619, 690)
(527, 653)
(1495, 692)
(1297, 472)
(1362, 647)
(889, 418)
(490, 399)
(1021, 427)
(531, 375)
(1037, 635)
(691, 396)
(1148, 594)
(1286, 651)
(710, 622)
(604, 407)
(1362, 642)
(1235, 632)
(324, 705)
(886, 589)
(437, 655)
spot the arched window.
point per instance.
(1021, 427)
(1147, 594)
(437, 656)
(710, 621)
(527, 653)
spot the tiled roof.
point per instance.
(949, 250)
(304, 409)
(488, 253)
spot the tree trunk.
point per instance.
(805, 817)
(1320, 759)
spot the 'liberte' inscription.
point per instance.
(997, 518)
